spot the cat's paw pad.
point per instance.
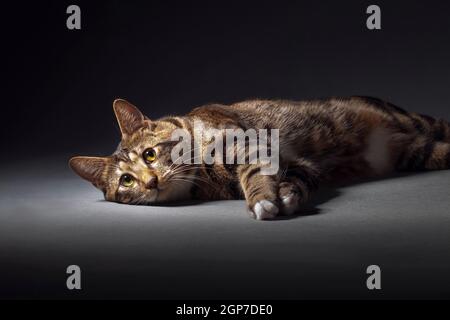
(290, 203)
(265, 209)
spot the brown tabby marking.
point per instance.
(338, 138)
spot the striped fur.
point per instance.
(337, 138)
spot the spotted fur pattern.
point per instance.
(337, 138)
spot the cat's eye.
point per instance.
(126, 180)
(149, 155)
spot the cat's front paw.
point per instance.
(264, 210)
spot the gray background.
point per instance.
(167, 58)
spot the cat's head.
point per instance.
(141, 170)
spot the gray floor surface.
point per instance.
(51, 219)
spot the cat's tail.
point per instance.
(428, 150)
(434, 129)
(441, 130)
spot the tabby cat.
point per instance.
(320, 140)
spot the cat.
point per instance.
(336, 138)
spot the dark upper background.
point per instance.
(168, 57)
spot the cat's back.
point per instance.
(353, 114)
(281, 113)
(330, 106)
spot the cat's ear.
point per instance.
(129, 117)
(89, 168)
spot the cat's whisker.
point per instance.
(187, 180)
(185, 168)
(188, 164)
(192, 178)
(186, 152)
(178, 173)
(171, 167)
(177, 169)
(195, 166)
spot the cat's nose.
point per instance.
(152, 183)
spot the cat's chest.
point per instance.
(218, 182)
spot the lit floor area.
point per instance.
(50, 219)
